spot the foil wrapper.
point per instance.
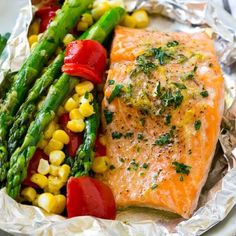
(218, 196)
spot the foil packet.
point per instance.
(218, 196)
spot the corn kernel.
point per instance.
(55, 144)
(34, 28)
(42, 143)
(33, 46)
(61, 135)
(57, 157)
(50, 130)
(82, 26)
(60, 203)
(77, 98)
(54, 185)
(100, 9)
(100, 164)
(129, 21)
(33, 39)
(116, 3)
(35, 202)
(71, 104)
(43, 167)
(54, 170)
(47, 201)
(76, 125)
(86, 109)
(102, 140)
(141, 18)
(64, 172)
(75, 114)
(84, 87)
(40, 180)
(87, 98)
(29, 194)
(68, 38)
(87, 17)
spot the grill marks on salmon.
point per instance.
(165, 121)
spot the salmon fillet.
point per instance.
(162, 108)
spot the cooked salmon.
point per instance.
(162, 109)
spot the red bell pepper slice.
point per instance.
(85, 58)
(33, 166)
(88, 196)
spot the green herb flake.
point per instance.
(116, 135)
(161, 55)
(86, 95)
(190, 75)
(180, 86)
(168, 119)
(116, 92)
(154, 186)
(163, 139)
(204, 93)
(172, 44)
(112, 167)
(140, 136)
(108, 116)
(197, 124)
(172, 99)
(142, 121)
(133, 165)
(122, 160)
(181, 168)
(129, 134)
(111, 82)
(145, 165)
(181, 58)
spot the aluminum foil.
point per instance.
(218, 195)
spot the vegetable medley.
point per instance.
(50, 140)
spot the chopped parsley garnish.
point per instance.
(145, 165)
(133, 165)
(197, 124)
(111, 82)
(140, 136)
(112, 167)
(180, 86)
(181, 168)
(161, 55)
(116, 135)
(142, 121)
(171, 98)
(190, 75)
(168, 119)
(181, 58)
(163, 139)
(122, 160)
(129, 134)
(86, 95)
(154, 186)
(116, 92)
(172, 44)
(204, 93)
(108, 116)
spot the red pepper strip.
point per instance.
(33, 166)
(46, 15)
(100, 150)
(75, 139)
(85, 58)
(88, 196)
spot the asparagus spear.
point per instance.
(21, 157)
(83, 160)
(28, 109)
(65, 20)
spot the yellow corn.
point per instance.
(68, 38)
(50, 130)
(102, 140)
(35, 202)
(86, 109)
(64, 172)
(29, 194)
(56, 157)
(61, 135)
(129, 21)
(40, 180)
(100, 9)
(54, 185)
(75, 114)
(82, 26)
(33, 46)
(83, 87)
(116, 3)
(71, 104)
(42, 143)
(100, 164)
(87, 98)
(141, 18)
(60, 203)
(77, 98)
(54, 170)
(76, 125)
(33, 39)
(87, 17)
(43, 167)
(34, 28)
(47, 201)
(55, 145)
